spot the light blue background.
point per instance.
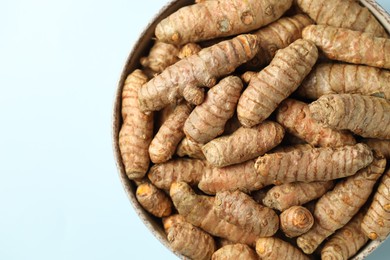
(60, 195)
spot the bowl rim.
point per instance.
(150, 222)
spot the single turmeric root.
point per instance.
(137, 130)
(215, 19)
(329, 78)
(188, 50)
(235, 251)
(164, 143)
(274, 248)
(295, 116)
(161, 56)
(381, 146)
(208, 120)
(199, 211)
(376, 222)
(337, 207)
(241, 210)
(341, 13)
(346, 242)
(309, 165)
(244, 144)
(183, 169)
(287, 195)
(296, 221)
(247, 76)
(191, 241)
(276, 82)
(186, 77)
(190, 148)
(350, 46)
(275, 36)
(241, 176)
(153, 200)
(366, 116)
(169, 221)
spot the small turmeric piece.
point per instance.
(341, 13)
(161, 55)
(287, 195)
(186, 77)
(296, 221)
(236, 252)
(381, 146)
(183, 169)
(199, 211)
(376, 222)
(295, 117)
(248, 75)
(273, 248)
(241, 176)
(275, 36)
(208, 120)
(244, 144)
(337, 207)
(241, 210)
(190, 148)
(317, 164)
(169, 221)
(191, 241)
(276, 82)
(366, 116)
(215, 19)
(137, 130)
(188, 50)
(153, 200)
(329, 78)
(164, 143)
(350, 46)
(346, 242)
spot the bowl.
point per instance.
(140, 49)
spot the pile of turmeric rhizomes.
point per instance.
(260, 129)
